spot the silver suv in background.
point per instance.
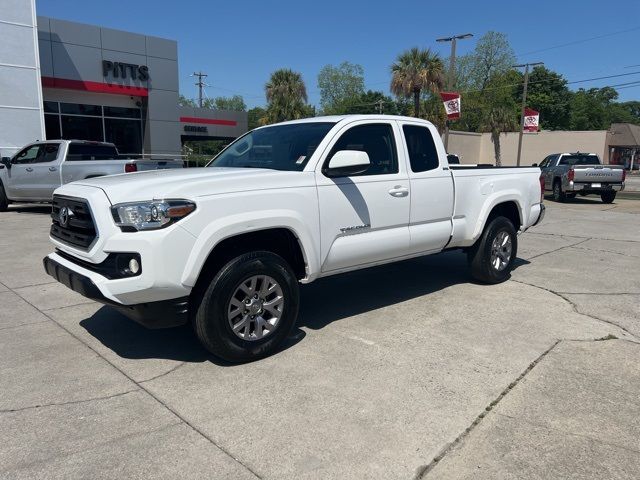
(571, 174)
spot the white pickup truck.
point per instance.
(33, 173)
(226, 246)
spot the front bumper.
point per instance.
(160, 314)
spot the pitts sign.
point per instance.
(125, 70)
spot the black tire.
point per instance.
(4, 201)
(608, 197)
(480, 255)
(558, 194)
(210, 321)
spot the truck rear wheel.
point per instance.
(249, 308)
(558, 194)
(608, 197)
(4, 201)
(491, 258)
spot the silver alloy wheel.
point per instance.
(501, 249)
(255, 308)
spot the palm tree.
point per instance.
(414, 71)
(498, 120)
(286, 96)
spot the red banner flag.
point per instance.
(452, 103)
(531, 120)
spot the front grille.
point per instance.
(79, 230)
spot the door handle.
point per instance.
(399, 191)
(29, 169)
(52, 169)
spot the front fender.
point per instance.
(229, 226)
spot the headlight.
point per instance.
(150, 215)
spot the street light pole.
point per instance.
(451, 76)
(524, 103)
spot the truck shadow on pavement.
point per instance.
(334, 298)
(35, 209)
(322, 303)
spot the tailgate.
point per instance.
(598, 174)
(144, 165)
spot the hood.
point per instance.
(191, 183)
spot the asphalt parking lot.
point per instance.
(403, 371)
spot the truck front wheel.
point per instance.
(249, 308)
(4, 201)
(491, 257)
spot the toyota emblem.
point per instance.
(64, 216)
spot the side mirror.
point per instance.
(347, 162)
(6, 161)
(534, 165)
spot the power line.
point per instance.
(576, 42)
(552, 80)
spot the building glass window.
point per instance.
(81, 109)
(51, 107)
(125, 134)
(119, 125)
(121, 112)
(52, 126)
(82, 128)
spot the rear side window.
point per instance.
(423, 155)
(377, 141)
(48, 152)
(87, 151)
(579, 160)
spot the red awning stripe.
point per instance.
(96, 87)
(208, 121)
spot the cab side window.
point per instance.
(27, 155)
(544, 163)
(423, 155)
(48, 153)
(374, 139)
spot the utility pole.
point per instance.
(200, 84)
(524, 102)
(379, 103)
(451, 76)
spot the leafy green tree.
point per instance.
(548, 93)
(496, 121)
(492, 55)
(590, 109)
(624, 112)
(185, 102)
(340, 86)
(234, 103)
(416, 71)
(257, 117)
(286, 96)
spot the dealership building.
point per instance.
(61, 79)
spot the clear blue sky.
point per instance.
(239, 43)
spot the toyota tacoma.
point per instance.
(226, 246)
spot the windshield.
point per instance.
(280, 147)
(580, 160)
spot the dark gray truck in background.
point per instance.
(571, 174)
(33, 173)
